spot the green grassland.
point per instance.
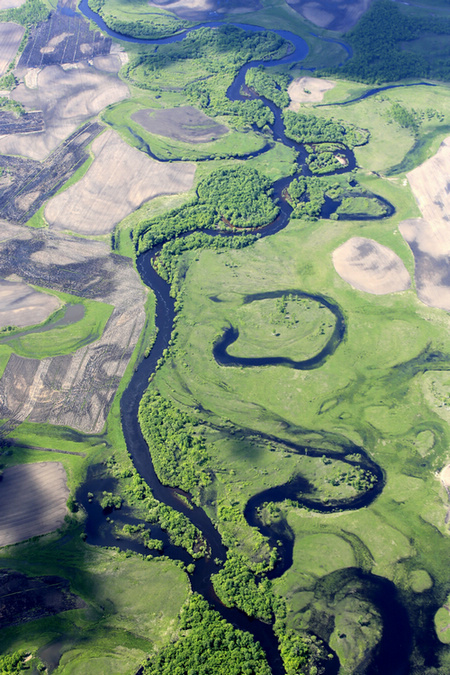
(297, 329)
(381, 154)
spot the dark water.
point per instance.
(392, 654)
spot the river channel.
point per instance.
(392, 656)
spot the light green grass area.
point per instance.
(294, 328)
(63, 339)
(389, 143)
(232, 144)
(132, 605)
(368, 391)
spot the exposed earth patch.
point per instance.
(21, 305)
(200, 10)
(331, 15)
(75, 389)
(307, 90)
(371, 267)
(62, 39)
(186, 124)
(67, 99)
(120, 180)
(32, 501)
(11, 35)
(25, 598)
(429, 237)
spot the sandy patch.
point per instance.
(67, 98)
(445, 475)
(21, 305)
(332, 15)
(186, 124)
(32, 501)
(109, 64)
(120, 179)
(11, 35)
(371, 267)
(429, 237)
(307, 90)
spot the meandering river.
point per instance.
(392, 656)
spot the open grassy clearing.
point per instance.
(119, 181)
(10, 38)
(381, 154)
(64, 339)
(291, 327)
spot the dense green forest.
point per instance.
(307, 128)
(178, 450)
(272, 86)
(208, 645)
(379, 53)
(235, 196)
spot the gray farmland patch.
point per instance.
(11, 35)
(66, 99)
(120, 180)
(30, 183)
(62, 39)
(185, 124)
(32, 501)
(21, 305)
(75, 390)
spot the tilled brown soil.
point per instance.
(11, 35)
(25, 598)
(32, 183)
(62, 39)
(32, 501)
(75, 390)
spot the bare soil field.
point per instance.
(25, 124)
(445, 476)
(185, 124)
(67, 98)
(201, 10)
(77, 389)
(120, 180)
(32, 501)
(62, 39)
(11, 35)
(371, 267)
(21, 305)
(331, 15)
(25, 598)
(29, 183)
(307, 90)
(429, 237)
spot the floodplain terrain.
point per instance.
(267, 427)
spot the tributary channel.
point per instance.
(392, 655)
